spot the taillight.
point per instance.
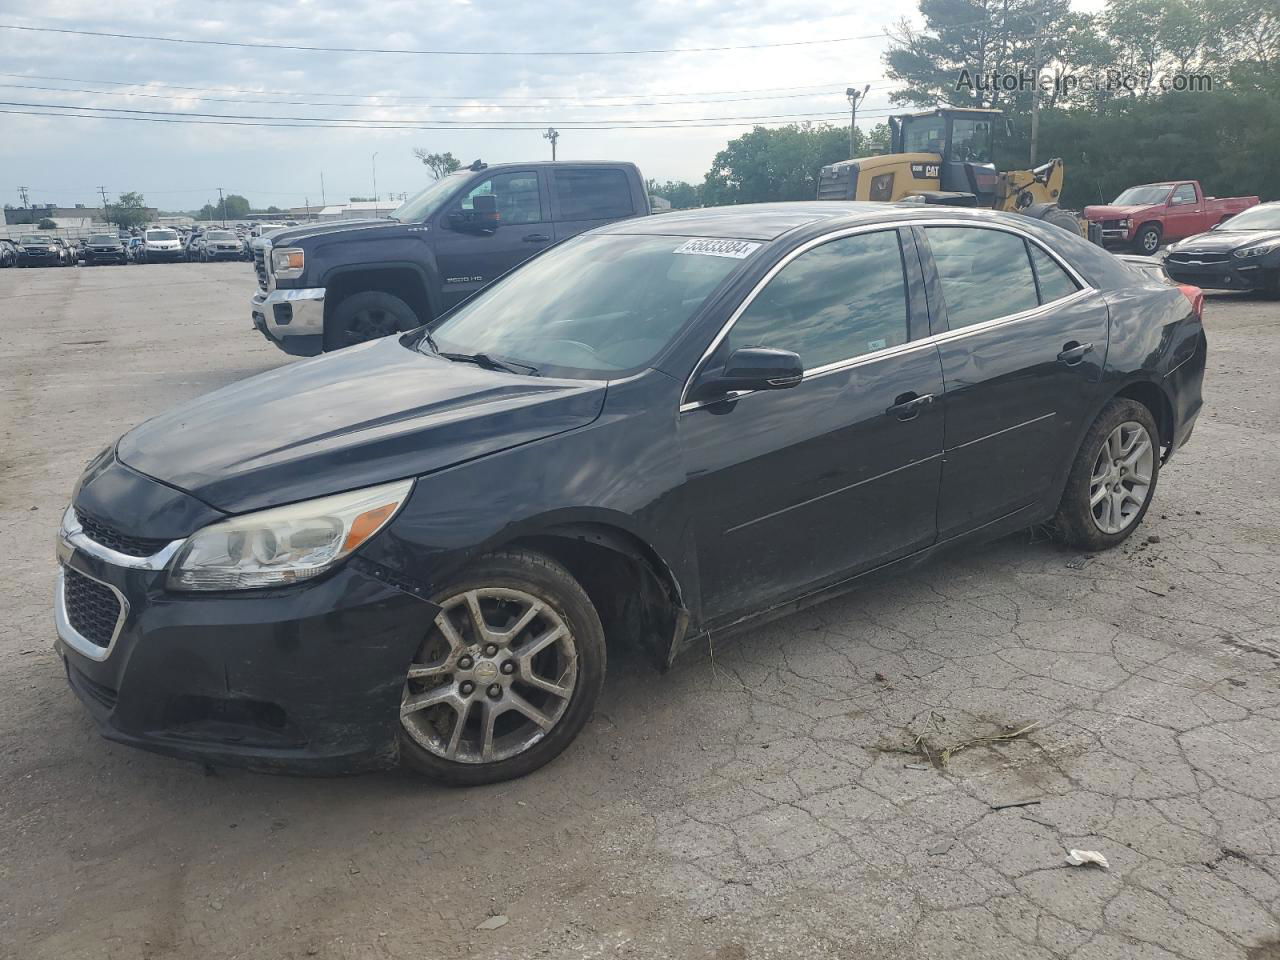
(1196, 296)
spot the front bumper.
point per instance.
(172, 254)
(305, 679)
(1231, 274)
(291, 319)
(105, 256)
(234, 254)
(38, 259)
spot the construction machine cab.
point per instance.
(963, 141)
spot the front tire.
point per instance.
(506, 676)
(367, 316)
(1113, 478)
(1147, 240)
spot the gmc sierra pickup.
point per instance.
(324, 286)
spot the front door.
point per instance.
(1184, 216)
(472, 252)
(794, 488)
(1022, 359)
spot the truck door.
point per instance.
(500, 222)
(586, 197)
(1185, 214)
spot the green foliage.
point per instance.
(781, 163)
(130, 210)
(679, 193)
(47, 224)
(440, 164)
(236, 206)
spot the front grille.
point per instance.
(1111, 225)
(92, 607)
(1201, 257)
(260, 266)
(112, 539)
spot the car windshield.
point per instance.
(33, 238)
(162, 235)
(104, 238)
(421, 205)
(220, 235)
(1258, 218)
(595, 305)
(1143, 196)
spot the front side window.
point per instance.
(1186, 193)
(594, 305)
(971, 141)
(985, 274)
(840, 300)
(515, 196)
(590, 194)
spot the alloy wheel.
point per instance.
(1120, 481)
(494, 675)
(371, 324)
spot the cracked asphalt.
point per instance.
(782, 795)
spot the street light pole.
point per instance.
(854, 96)
(375, 184)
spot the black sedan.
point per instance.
(105, 248)
(1242, 253)
(670, 427)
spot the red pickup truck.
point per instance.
(1146, 216)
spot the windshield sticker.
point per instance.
(735, 249)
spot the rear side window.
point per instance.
(837, 301)
(1055, 283)
(985, 274)
(587, 194)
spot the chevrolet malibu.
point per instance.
(414, 550)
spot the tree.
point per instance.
(129, 211)
(680, 194)
(440, 164)
(781, 163)
(273, 210)
(47, 224)
(237, 207)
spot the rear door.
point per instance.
(790, 489)
(470, 258)
(1023, 343)
(586, 197)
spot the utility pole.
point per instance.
(553, 135)
(106, 213)
(323, 202)
(375, 184)
(222, 201)
(22, 192)
(854, 96)
(1035, 94)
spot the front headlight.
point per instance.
(1126, 224)
(1257, 250)
(284, 544)
(287, 262)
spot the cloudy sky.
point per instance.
(524, 75)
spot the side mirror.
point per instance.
(751, 368)
(482, 218)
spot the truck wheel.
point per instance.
(367, 316)
(1064, 219)
(1147, 240)
(1112, 479)
(506, 675)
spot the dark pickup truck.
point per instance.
(323, 286)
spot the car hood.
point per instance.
(1222, 240)
(1111, 212)
(368, 414)
(310, 231)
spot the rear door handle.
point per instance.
(535, 238)
(907, 406)
(1073, 352)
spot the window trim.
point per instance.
(944, 336)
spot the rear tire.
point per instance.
(1064, 219)
(1113, 478)
(367, 316)
(480, 680)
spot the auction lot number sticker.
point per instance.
(736, 249)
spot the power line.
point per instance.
(365, 123)
(459, 99)
(259, 45)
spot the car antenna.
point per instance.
(477, 165)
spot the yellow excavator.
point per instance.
(943, 156)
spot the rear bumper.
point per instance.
(291, 319)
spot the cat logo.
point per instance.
(925, 171)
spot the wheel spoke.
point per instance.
(1097, 496)
(419, 671)
(525, 619)
(521, 705)
(535, 647)
(449, 631)
(488, 718)
(455, 736)
(431, 698)
(477, 617)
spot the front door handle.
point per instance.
(907, 406)
(1073, 352)
(535, 238)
